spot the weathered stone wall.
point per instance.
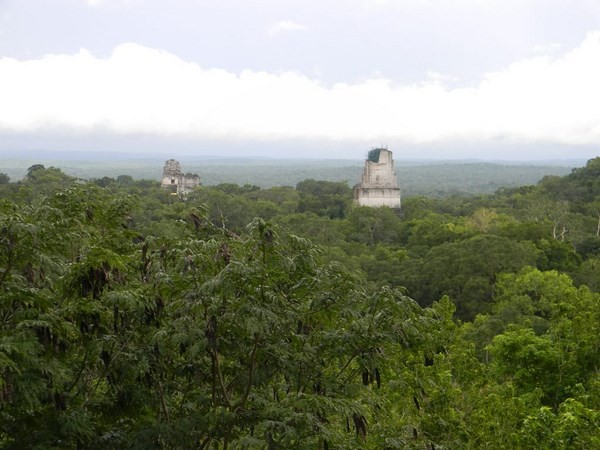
(190, 181)
(380, 173)
(172, 168)
(379, 184)
(176, 181)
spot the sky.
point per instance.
(439, 79)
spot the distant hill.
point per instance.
(430, 178)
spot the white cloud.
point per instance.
(143, 90)
(440, 77)
(98, 3)
(95, 2)
(286, 26)
(547, 48)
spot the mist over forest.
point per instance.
(432, 178)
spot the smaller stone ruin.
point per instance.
(177, 182)
(379, 184)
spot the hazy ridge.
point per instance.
(425, 177)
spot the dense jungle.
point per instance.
(242, 317)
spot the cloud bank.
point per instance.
(144, 90)
(286, 26)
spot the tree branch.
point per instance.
(346, 365)
(215, 358)
(250, 374)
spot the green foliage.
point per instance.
(130, 318)
(531, 362)
(236, 339)
(582, 185)
(466, 271)
(542, 334)
(573, 426)
(324, 198)
(373, 226)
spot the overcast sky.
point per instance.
(490, 79)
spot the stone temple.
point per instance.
(177, 182)
(379, 184)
